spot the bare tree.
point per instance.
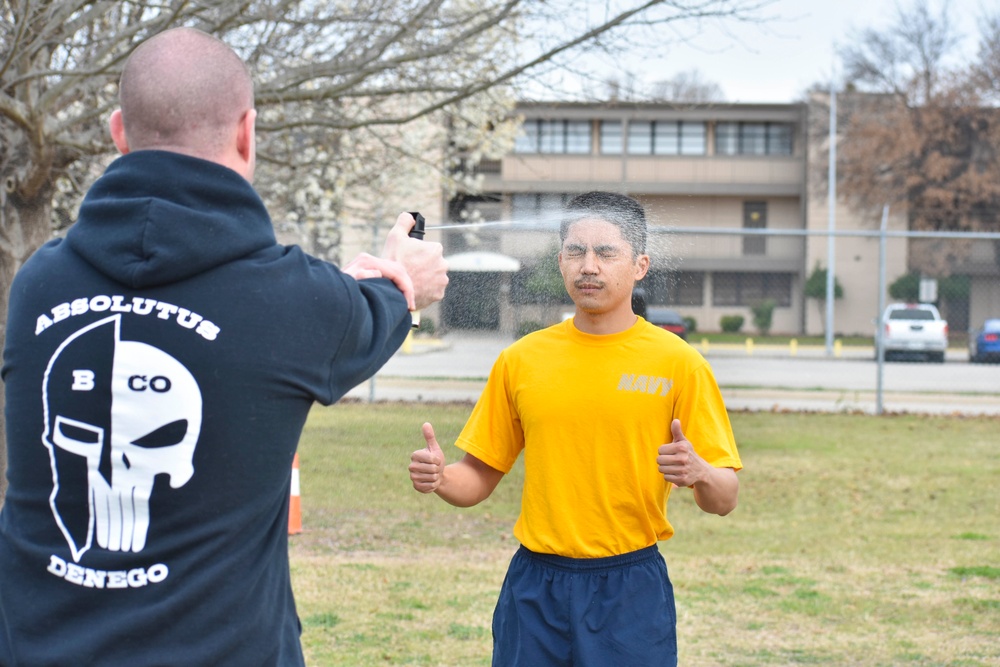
(987, 68)
(622, 87)
(915, 129)
(330, 77)
(688, 87)
(907, 58)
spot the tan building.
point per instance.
(701, 172)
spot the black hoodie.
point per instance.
(160, 363)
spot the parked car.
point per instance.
(984, 343)
(668, 319)
(914, 330)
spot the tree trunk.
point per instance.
(821, 304)
(24, 226)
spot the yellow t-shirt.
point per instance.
(590, 412)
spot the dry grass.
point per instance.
(859, 540)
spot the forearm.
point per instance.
(718, 491)
(466, 483)
(378, 311)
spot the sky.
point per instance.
(778, 60)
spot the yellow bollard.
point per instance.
(407, 346)
(838, 348)
(704, 346)
(749, 345)
(295, 500)
(793, 347)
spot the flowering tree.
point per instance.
(347, 92)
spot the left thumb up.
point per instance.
(675, 430)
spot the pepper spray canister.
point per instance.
(416, 233)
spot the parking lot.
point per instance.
(762, 378)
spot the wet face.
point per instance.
(599, 268)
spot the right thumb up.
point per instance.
(427, 465)
(431, 440)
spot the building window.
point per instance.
(666, 138)
(611, 137)
(779, 139)
(727, 139)
(753, 139)
(674, 288)
(754, 217)
(692, 138)
(554, 136)
(527, 139)
(578, 137)
(749, 289)
(551, 136)
(640, 137)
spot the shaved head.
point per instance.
(184, 90)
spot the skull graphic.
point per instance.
(117, 414)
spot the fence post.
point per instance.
(879, 350)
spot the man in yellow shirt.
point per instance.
(611, 413)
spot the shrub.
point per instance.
(690, 323)
(907, 288)
(426, 326)
(731, 323)
(763, 314)
(525, 328)
(815, 287)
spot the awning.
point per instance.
(482, 262)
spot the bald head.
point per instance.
(186, 91)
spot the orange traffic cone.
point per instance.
(295, 501)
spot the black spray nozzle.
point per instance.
(418, 229)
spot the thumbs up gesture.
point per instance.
(427, 465)
(678, 462)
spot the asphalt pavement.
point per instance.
(753, 377)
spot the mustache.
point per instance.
(581, 283)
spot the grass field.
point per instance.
(859, 540)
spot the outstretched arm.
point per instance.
(463, 484)
(368, 266)
(716, 490)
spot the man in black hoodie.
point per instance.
(160, 363)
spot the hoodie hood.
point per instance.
(156, 217)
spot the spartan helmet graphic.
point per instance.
(117, 414)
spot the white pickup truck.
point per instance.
(914, 330)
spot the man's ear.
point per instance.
(642, 267)
(245, 136)
(117, 126)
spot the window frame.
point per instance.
(559, 136)
(754, 138)
(772, 285)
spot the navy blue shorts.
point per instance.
(586, 612)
